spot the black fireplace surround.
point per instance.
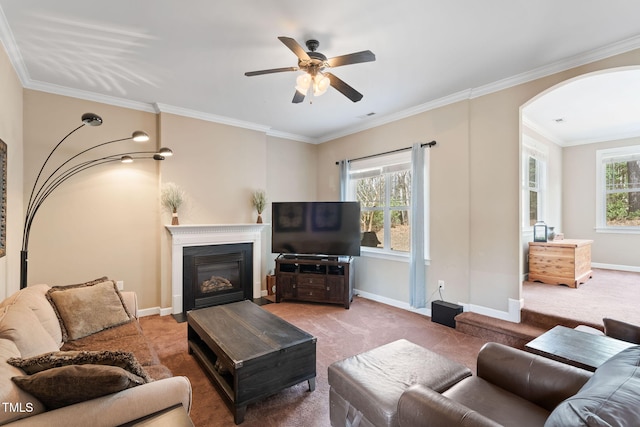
(216, 274)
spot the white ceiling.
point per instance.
(190, 57)
(597, 107)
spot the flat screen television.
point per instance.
(316, 228)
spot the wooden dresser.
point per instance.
(560, 262)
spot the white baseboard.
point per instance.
(155, 310)
(513, 315)
(631, 268)
(392, 302)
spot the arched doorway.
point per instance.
(562, 128)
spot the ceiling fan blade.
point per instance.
(298, 97)
(352, 58)
(344, 88)
(295, 48)
(272, 70)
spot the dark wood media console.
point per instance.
(327, 280)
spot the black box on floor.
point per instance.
(445, 312)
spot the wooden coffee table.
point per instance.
(249, 353)
(576, 348)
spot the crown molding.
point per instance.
(89, 96)
(208, 117)
(10, 46)
(214, 118)
(409, 112)
(559, 66)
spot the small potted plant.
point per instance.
(259, 202)
(172, 197)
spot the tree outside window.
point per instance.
(384, 194)
(622, 191)
(618, 189)
(533, 194)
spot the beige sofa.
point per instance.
(32, 325)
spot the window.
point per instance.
(534, 173)
(382, 185)
(534, 188)
(618, 189)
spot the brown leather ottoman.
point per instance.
(365, 388)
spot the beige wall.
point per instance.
(220, 167)
(104, 221)
(11, 120)
(617, 250)
(449, 198)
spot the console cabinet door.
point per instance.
(286, 283)
(335, 289)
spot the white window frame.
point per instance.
(386, 161)
(532, 148)
(611, 155)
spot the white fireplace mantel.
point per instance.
(212, 234)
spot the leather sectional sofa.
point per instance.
(515, 388)
(511, 388)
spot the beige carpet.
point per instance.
(340, 333)
(609, 293)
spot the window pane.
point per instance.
(400, 231)
(400, 188)
(623, 195)
(623, 209)
(372, 228)
(616, 176)
(370, 191)
(533, 172)
(533, 207)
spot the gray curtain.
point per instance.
(417, 276)
(344, 180)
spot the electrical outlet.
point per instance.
(441, 285)
(120, 285)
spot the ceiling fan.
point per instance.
(313, 64)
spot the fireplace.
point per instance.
(216, 274)
(202, 235)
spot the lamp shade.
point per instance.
(91, 119)
(140, 136)
(303, 82)
(320, 84)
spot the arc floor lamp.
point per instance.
(43, 187)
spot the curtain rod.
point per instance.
(424, 144)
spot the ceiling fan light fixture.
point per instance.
(320, 84)
(303, 82)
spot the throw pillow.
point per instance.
(19, 403)
(120, 359)
(88, 308)
(19, 324)
(71, 384)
